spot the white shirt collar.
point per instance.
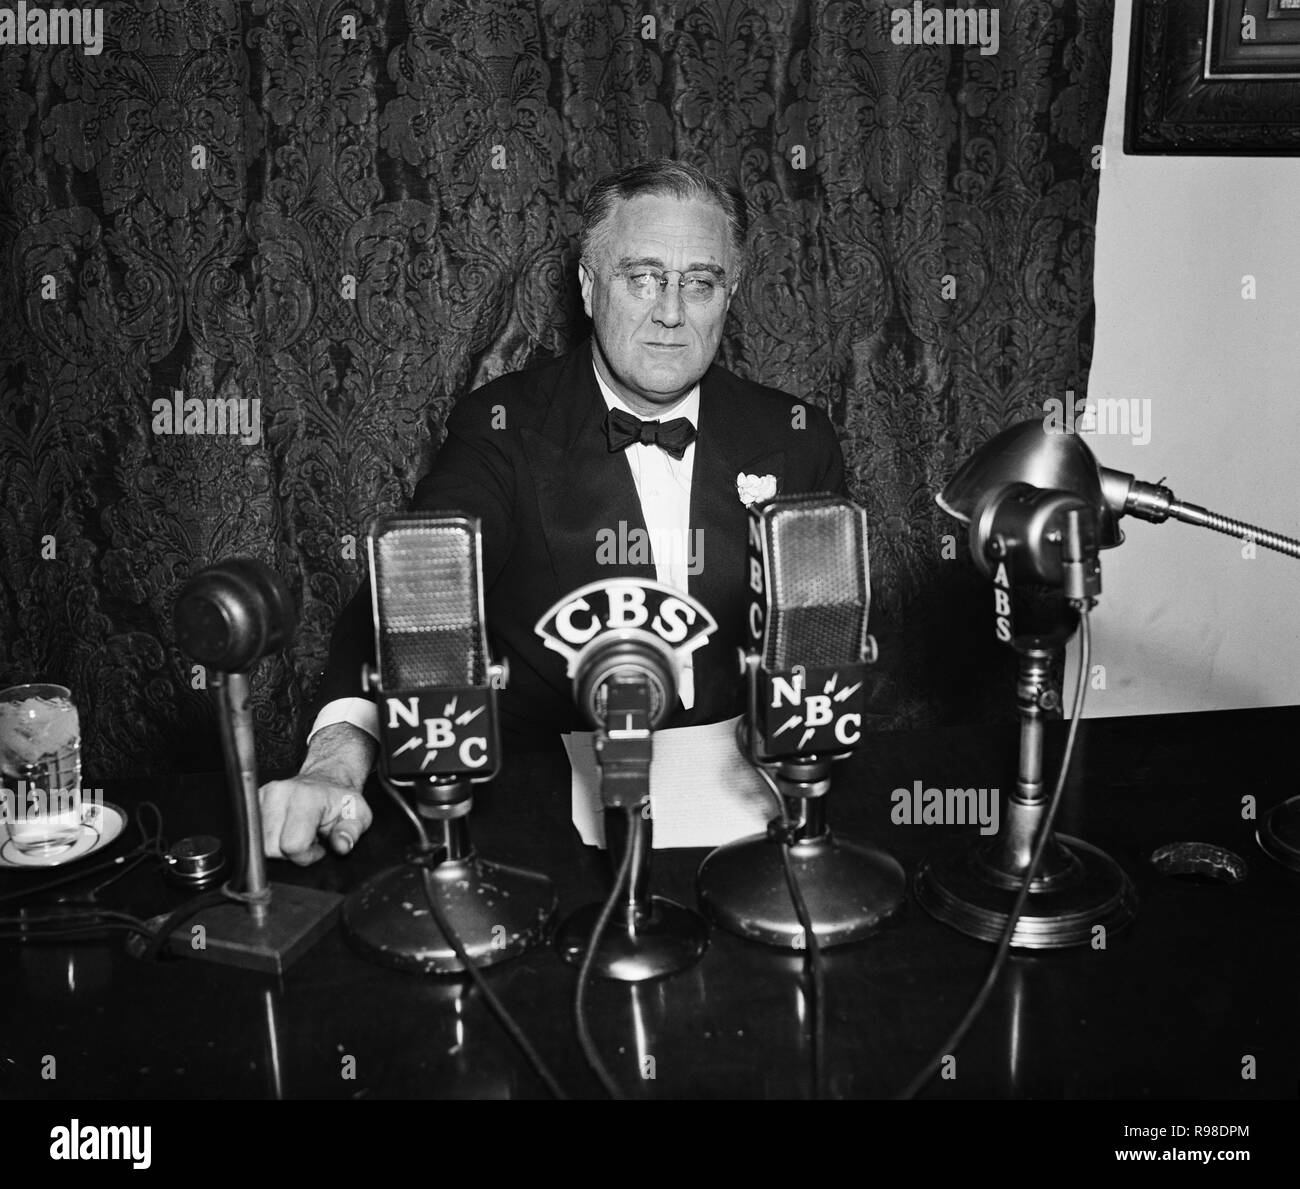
(688, 406)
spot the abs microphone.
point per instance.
(435, 687)
(806, 670)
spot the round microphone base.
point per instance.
(1279, 833)
(497, 912)
(1085, 888)
(663, 940)
(850, 889)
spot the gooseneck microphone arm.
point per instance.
(1129, 496)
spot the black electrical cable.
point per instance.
(1045, 830)
(498, 1009)
(610, 1086)
(150, 845)
(173, 920)
(54, 924)
(814, 964)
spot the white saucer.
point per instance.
(101, 823)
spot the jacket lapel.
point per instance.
(587, 502)
(724, 450)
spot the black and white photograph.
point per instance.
(654, 550)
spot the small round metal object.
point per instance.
(195, 862)
(1201, 861)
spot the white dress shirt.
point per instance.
(663, 485)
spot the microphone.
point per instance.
(231, 615)
(435, 686)
(810, 598)
(1046, 538)
(625, 641)
(227, 618)
(805, 668)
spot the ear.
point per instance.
(585, 281)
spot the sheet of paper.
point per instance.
(703, 792)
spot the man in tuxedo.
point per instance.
(635, 435)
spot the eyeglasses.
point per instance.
(647, 284)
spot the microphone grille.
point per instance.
(819, 589)
(425, 574)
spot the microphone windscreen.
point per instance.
(232, 614)
(426, 579)
(814, 552)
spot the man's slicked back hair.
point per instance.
(663, 177)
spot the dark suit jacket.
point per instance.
(527, 453)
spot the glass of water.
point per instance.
(40, 767)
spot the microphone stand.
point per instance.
(1077, 886)
(647, 936)
(270, 925)
(496, 911)
(851, 889)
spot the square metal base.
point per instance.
(296, 919)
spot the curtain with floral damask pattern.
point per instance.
(332, 219)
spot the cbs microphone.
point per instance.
(435, 688)
(625, 642)
(806, 669)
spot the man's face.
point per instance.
(652, 352)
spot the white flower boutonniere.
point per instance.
(754, 489)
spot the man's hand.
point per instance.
(323, 801)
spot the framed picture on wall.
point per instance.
(1214, 77)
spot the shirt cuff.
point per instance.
(360, 712)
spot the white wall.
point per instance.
(1185, 622)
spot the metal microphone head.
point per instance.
(230, 615)
(625, 656)
(426, 576)
(811, 551)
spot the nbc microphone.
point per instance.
(809, 647)
(435, 686)
(806, 669)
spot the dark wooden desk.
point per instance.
(1203, 979)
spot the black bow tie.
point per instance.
(622, 429)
